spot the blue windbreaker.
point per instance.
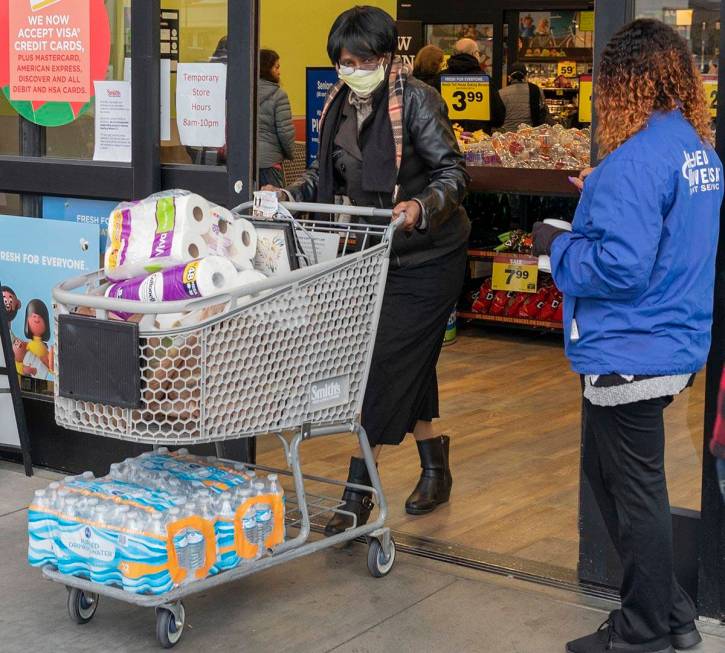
(638, 269)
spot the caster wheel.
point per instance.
(170, 627)
(379, 564)
(81, 605)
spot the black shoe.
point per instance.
(434, 485)
(358, 502)
(685, 637)
(605, 639)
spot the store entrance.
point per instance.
(508, 398)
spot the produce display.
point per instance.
(549, 147)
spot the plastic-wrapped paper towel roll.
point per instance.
(155, 234)
(199, 278)
(235, 238)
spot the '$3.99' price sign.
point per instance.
(468, 96)
(518, 274)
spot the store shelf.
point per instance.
(515, 321)
(524, 181)
(489, 254)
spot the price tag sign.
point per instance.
(518, 274)
(585, 98)
(468, 96)
(566, 68)
(710, 83)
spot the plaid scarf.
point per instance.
(397, 79)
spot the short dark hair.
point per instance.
(267, 60)
(518, 70)
(37, 306)
(365, 31)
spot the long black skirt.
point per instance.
(402, 386)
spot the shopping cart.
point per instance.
(289, 357)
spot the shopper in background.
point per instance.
(466, 60)
(523, 100)
(385, 141)
(637, 273)
(276, 132)
(428, 64)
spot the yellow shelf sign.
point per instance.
(468, 96)
(710, 83)
(585, 98)
(586, 21)
(566, 68)
(519, 274)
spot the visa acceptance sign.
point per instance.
(54, 52)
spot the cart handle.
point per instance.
(328, 209)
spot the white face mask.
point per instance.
(362, 82)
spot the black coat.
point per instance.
(466, 64)
(432, 172)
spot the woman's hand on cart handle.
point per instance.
(410, 212)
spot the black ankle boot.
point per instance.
(434, 486)
(357, 502)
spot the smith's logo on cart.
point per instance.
(330, 392)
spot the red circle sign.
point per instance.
(55, 50)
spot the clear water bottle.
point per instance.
(274, 487)
(183, 451)
(157, 526)
(162, 451)
(197, 549)
(41, 500)
(249, 519)
(263, 516)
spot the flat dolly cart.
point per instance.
(296, 347)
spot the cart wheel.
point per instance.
(81, 605)
(169, 629)
(379, 564)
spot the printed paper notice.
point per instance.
(201, 104)
(113, 121)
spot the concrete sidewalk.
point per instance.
(326, 602)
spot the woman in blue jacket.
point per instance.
(637, 273)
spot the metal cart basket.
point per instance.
(288, 356)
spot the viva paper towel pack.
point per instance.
(198, 278)
(155, 522)
(156, 233)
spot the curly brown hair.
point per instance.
(647, 67)
(428, 60)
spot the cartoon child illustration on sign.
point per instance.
(37, 360)
(12, 305)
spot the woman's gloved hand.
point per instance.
(544, 235)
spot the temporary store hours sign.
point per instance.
(54, 51)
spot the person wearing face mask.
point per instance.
(386, 141)
(466, 60)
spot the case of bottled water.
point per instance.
(156, 521)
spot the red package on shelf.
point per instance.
(482, 303)
(512, 310)
(534, 303)
(559, 312)
(552, 304)
(500, 302)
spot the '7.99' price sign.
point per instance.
(518, 274)
(468, 96)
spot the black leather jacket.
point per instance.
(432, 172)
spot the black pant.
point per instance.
(623, 459)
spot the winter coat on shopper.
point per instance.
(467, 64)
(638, 269)
(276, 140)
(524, 104)
(406, 150)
